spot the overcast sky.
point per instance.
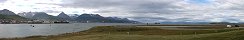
(139, 10)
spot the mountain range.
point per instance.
(93, 18)
(28, 14)
(64, 16)
(73, 16)
(45, 16)
(101, 19)
(5, 14)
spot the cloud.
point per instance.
(140, 10)
(52, 11)
(166, 10)
(132, 6)
(3, 1)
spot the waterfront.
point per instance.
(24, 30)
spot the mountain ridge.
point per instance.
(6, 12)
(84, 18)
(98, 18)
(64, 16)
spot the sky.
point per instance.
(138, 10)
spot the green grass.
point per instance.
(151, 31)
(233, 35)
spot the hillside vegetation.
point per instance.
(11, 17)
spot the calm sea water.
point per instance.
(24, 30)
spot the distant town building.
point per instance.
(229, 26)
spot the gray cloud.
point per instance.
(164, 10)
(130, 6)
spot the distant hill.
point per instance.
(64, 16)
(45, 16)
(73, 16)
(39, 16)
(120, 20)
(101, 19)
(6, 12)
(12, 17)
(27, 14)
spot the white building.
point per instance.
(228, 26)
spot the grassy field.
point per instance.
(144, 33)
